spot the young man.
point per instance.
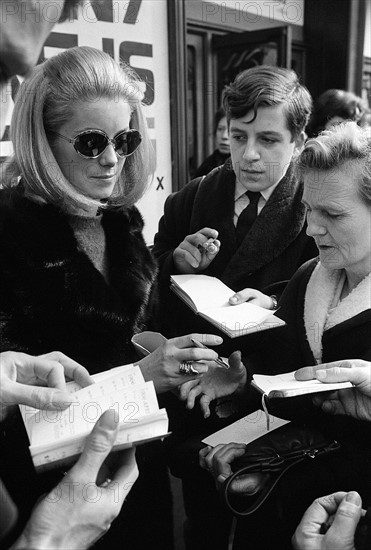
(267, 110)
(251, 209)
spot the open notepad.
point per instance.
(57, 436)
(208, 297)
(286, 385)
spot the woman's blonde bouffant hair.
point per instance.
(45, 102)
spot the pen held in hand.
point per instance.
(208, 246)
(219, 361)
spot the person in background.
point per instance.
(222, 148)
(332, 107)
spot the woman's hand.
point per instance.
(197, 251)
(252, 296)
(355, 402)
(162, 366)
(22, 377)
(341, 512)
(218, 382)
(217, 460)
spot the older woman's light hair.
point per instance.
(45, 102)
(346, 145)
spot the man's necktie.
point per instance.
(247, 216)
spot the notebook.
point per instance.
(58, 436)
(208, 296)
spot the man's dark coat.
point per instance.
(271, 252)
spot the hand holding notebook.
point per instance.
(286, 385)
(209, 297)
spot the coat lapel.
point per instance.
(276, 227)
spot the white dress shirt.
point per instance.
(241, 200)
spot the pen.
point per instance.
(218, 361)
(207, 246)
(325, 526)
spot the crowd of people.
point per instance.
(289, 222)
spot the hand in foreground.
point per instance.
(217, 382)
(78, 512)
(342, 511)
(217, 460)
(355, 401)
(22, 377)
(162, 365)
(196, 252)
(252, 296)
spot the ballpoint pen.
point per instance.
(208, 246)
(219, 361)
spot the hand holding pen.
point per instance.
(195, 253)
(330, 522)
(219, 361)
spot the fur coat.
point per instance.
(52, 296)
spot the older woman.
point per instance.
(75, 272)
(327, 308)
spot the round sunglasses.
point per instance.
(92, 143)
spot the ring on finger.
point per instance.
(187, 369)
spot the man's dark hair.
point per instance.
(334, 103)
(267, 86)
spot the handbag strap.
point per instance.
(276, 467)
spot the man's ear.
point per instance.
(299, 144)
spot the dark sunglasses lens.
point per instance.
(91, 144)
(127, 142)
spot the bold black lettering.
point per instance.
(103, 10)
(160, 180)
(127, 49)
(132, 12)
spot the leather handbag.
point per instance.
(274, 454)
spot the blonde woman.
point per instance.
(75, 272)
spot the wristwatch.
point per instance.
(274, 301)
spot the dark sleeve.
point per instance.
(174, 226)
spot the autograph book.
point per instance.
(286, 385)
(57, 436)
(208, 296)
